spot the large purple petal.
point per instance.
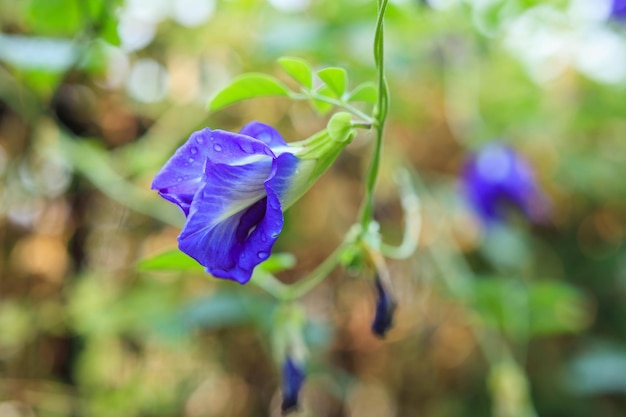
(183, 175)
(233, 221)
(264, 133)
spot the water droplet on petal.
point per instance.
(263, 238)
(274, 235)
(193, 150)
(217, 147)
(179, 179)
(262, 255)
(200, 141)
(191, 160)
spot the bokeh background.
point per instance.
(94, 97)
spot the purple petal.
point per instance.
(183, 175)
(498, 176)
(286, 165)
(293, 378)
(385, 309)
(264, 133)
(618, 9)
(234, 220)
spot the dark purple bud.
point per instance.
(385, 307)
(618, 9)
(497, 177)
(293, 378)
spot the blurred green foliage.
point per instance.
(95, 96)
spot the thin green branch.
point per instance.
(380, 116)
(412, 220)
(342, 104)
(284, 292)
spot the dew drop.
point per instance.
(200, 141)
(274, 235)
(263, 238)
(179, 179)
(217, 147)
(191, 160)
(193, 150)
(262, 255)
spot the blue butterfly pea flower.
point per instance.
(496, 177)
(233, 189)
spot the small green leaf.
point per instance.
(323, 107)
(557, 307)
(364, 92)
(335, 78)
(552, 307)
(298, 69)
(247, 86)
(340, 127)
(172, 260)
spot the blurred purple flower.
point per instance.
(293, 378)
(232, 188)
(497, 177)
(385, 308)
(618, 9)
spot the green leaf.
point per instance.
(298, 69)
(320, 106)
(172, 260)
(364, 92)
(245, 87)
(548, 307)
(340, 127)
(557, 307)
(54, 17)
(335, 78)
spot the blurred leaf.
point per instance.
(335, 78)
(298, 69)
(366, 91)
(245, 87)
(557, 307)
(340, 127)
(17, 325)
(172, 260)
(542, 308)
(55, 17)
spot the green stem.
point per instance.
(266, 280)
(284, 292)
(312, 95)
(412, 220)
(380, 116)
